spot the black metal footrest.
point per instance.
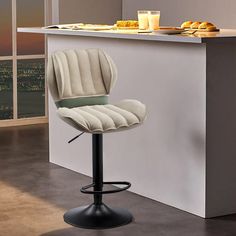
(86, 191)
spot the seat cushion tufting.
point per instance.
(105, 118)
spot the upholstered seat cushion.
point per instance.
(105, 118)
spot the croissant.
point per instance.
(206, 25)
(195, 25)
(186, 24)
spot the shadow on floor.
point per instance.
(76, 232)
(45, 191)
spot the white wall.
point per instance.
(173, 12)
(90, 11)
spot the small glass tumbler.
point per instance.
(143, 20)
(154, 20)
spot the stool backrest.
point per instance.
(80, 73)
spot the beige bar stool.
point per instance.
(80, 82)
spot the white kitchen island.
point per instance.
(185, 153)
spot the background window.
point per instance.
(6, 90)
(5, 28)
(30, 14)
(30, 88)
(22, 61)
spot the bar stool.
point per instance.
(80, 82)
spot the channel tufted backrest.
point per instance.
(80, 73)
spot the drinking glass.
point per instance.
(143, 20)
(154, 20)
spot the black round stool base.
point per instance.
(97, 217)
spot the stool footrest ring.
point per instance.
(86, 191)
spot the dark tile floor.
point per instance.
(34, 194)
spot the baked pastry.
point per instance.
(211, 28)
(127, 24)
(207, 25)
(195, 25)
(201, 26)
(204, 25)
(121, 23)
(186, 24)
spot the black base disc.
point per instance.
(97, 217)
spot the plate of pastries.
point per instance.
(127, 24)
(199, 26)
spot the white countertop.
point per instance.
(225, 35)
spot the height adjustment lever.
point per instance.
(73, 139)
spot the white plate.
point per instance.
(169, 31)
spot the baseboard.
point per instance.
(24, 121)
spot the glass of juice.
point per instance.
(154, 20)
(143, 20)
